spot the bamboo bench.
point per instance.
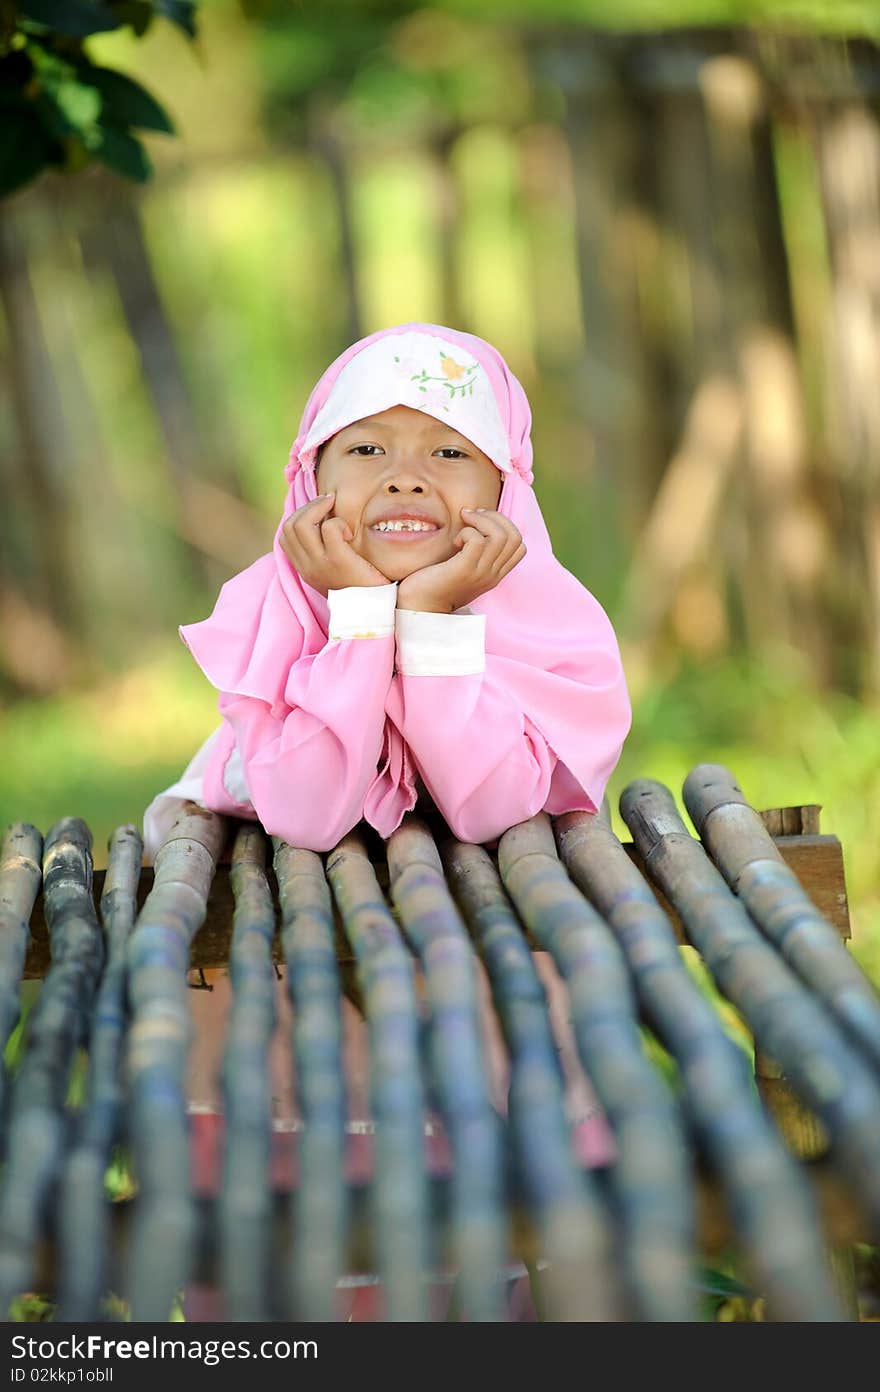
(434, 1183)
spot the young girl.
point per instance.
(411, 635)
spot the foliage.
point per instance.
(724, 1298)
(830, 16)
(59, 109)
(401, 63)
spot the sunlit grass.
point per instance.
(103, 754)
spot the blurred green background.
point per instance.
(665, 216)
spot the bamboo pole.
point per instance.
(245, 1202)
(20, 878)
(785, 1020)
(573, 1230)
(651, 1178)
(842, 1221)
(159, 1037)
(457, 1066)
(57, 1027)
(319, 1202)
(397, 1101)
(772, 1210)
(83, 1218)
(738, 842)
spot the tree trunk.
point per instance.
(787, 548)
(613, 382)
(848, 146)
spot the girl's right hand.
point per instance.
(317, 545)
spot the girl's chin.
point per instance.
(399, 566)
(399, 571)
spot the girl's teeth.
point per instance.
(403, 527)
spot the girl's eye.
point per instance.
(367, 450)
(449, 452)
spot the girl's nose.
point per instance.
(406, 477)
(404, 486)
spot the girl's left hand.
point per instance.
(489, 546)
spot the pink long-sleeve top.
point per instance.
(476, 752)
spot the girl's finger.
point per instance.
(514, 547)
(336, 532)
(510, 534)
(311, 513)
(471, 542)
(470, 533)
(493, 521)
(306, 527)
(513, 560)
(503, 537)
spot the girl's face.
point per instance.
(402, 462)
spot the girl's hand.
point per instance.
(489, 546)
(317, 545)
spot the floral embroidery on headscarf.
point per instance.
(452, 371)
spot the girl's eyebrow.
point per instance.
(440, 427)
(361, 424)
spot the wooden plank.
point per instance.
(817, 860)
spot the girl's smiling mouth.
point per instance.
(405, 526)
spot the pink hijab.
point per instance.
(550, 641)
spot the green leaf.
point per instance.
(125, 102)
(26, 149)
(137, 13)
(80, 104)
(51, 117)
(719, 1283)
(16, 71)
(50, 69)
(179, 12)
(74, 17)
(122, 152)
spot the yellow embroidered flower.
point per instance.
(452, 369)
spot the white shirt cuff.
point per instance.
(362, 611)
(440, 645)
